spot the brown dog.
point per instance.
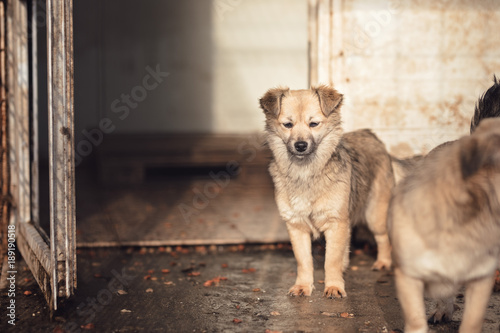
(325, 181)
(444, 223)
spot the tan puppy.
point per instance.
(444, 223)
(325, 181)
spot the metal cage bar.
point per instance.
(61, 143)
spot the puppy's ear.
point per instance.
(271, 101)
(330, 99)
(476, 154)
(470, 157)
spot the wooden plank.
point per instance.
(124, 158)
(61, 142)
(170, 143)
(180, 212)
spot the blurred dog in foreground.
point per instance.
(325, 181)
(444, 226)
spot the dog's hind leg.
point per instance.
(376, 218)
(477, 295)
(384, 260)
(301, 245)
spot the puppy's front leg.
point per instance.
(411, 296)
(477, 296)
(301, 244)
(337, 238)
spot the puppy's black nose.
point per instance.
(300, 146)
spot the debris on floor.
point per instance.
(216, 289)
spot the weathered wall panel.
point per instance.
(412, 70)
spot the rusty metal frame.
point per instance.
(53, 262)
(35, 193)
(4, 157)
(61, 143)
(33, 248)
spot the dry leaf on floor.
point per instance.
(336, 314)
(237, 321)
(88, 326)
(215, 281)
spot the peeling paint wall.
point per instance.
(410, 70)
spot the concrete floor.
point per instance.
(163, 290)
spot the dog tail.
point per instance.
(488, 105)
(403, 167)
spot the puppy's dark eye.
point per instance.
(313, 124)
(288, 125)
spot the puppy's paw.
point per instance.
(443, 312)
(439, 317)
(381, 264)
(334, 292)
(301, 290)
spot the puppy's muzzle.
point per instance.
(300, 146)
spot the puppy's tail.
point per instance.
(488, 105)
(403, 167)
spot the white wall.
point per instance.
(221, 56)
(258, 44)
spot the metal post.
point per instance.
(61, 143)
